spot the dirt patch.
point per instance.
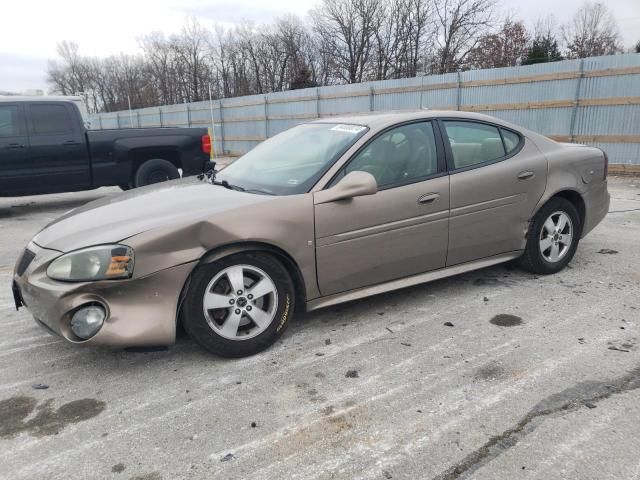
(148, 476)
(47, 420)
(506, 320)
(490, 371)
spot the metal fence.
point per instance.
(594, 101)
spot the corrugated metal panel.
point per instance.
(539, 97)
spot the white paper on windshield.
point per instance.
(348, 128)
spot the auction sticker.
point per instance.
(348, 128)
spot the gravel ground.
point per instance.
(495, 374)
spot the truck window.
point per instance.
(9, 126)
(50, 119)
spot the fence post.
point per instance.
(459, 92)
(118, 119)
(160, 115)
(221, 126)
(317, 102)
(574, 112)
(138, 117)
(422, 93)
(266, 118)
(100, 122)
(371, 94)
(186, 105)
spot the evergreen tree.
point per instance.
(542, 50)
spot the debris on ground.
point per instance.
(352, 374)
(227, 457)
(448, 324)
(39, 386)
(618, 349)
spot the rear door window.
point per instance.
(47, 119)
(473, 143)
(9, 121)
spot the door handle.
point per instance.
(15, 145)
(524, 175)
(70, 143)
(429, 198)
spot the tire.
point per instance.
(262, 319)
(553, 237)
(155, 171)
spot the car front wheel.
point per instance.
(239, 305)
(553, 237)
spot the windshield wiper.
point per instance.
(258, 190)
(211, 178)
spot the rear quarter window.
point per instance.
(511, 140)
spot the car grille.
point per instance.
(25, 260)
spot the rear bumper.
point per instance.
(140, 312)
(597, 200)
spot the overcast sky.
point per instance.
(32, 28)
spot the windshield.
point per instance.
(293, 161)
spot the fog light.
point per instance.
(87, 321)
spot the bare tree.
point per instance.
(347, 29)
(591, 32)
(459, 23)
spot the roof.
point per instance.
(38, 98)
(380, 120)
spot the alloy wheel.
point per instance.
(240, 302)
(556, 236)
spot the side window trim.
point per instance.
(451, 169)
(440, 154)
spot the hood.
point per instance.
(114, 218)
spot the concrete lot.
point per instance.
(375, 389)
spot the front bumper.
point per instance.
(140, 311)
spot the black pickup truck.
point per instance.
(45, 148)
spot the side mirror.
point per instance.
(354, 184)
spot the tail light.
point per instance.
(606, 165)
(206, 144)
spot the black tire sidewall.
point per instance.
(149, 166)
(533, 259)
(196, 325)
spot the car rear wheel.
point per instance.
(553, 237)
(239, 305)
(155, 171)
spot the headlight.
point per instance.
(105, 262)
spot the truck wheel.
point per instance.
(155, 171)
